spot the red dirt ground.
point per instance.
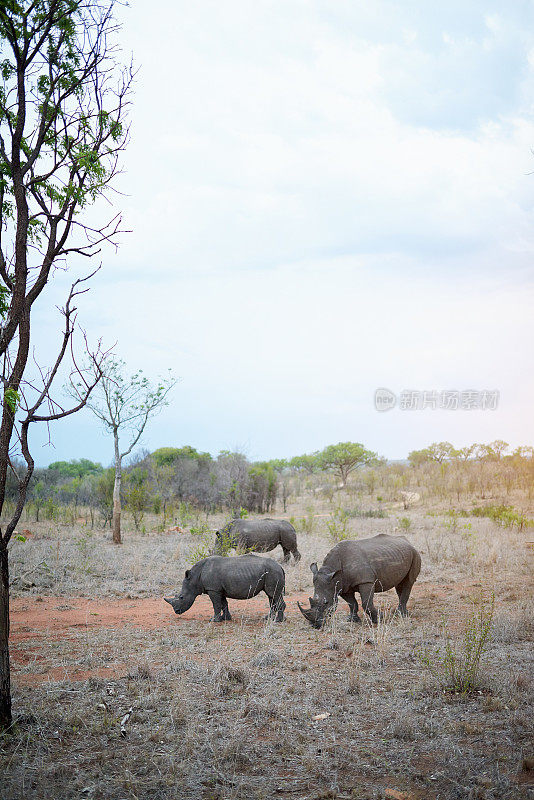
(52, 616)
(65, 618)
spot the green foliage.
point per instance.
(185, 513)
(200, 550)
(225, 543)
(345, 457)
(437, 451)
(76, 468)
(494, 451)
(505, 516)
(137, 495)
(405, 523)
(166, 456)
(199, 530)
(104, 484)
(51, 509)
(378, 513)
(11, 399)
(262, 488)
(278, 464)
(337, 525)
(305, 524)
(306, 463)
(456, 666)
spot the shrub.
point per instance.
(337, 526)
(405, 523)
(378, 513)
(456, 667)
(505, 516)
(199, 530)
(200, 551)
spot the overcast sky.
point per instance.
(325, 197)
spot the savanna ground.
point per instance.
(252, 709)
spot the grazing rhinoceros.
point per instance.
(261, 535)
(240, 578)
(365, 566)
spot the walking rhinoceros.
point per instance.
(239, 578)
(261, 535)
(365, 566)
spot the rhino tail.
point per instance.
(415, 568)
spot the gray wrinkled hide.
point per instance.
(261, 535)
(238, 578)
(365, 566)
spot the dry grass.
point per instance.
(224, 712)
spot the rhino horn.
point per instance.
(168, 600)
(311, 616)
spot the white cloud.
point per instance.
(325, 198)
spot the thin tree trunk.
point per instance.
(5, 688)
(117, 492)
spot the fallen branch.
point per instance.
(14, 580)
(125, 720)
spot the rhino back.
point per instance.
(383, 560)
(240, 577)
(259, 533)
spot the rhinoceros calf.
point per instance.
(261, 535)
(365, 566)
(239, 578)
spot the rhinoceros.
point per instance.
(239, 578)
(261, 535)
(365, 566)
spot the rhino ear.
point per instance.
(187, 573)
(330, 575)
(313, 568)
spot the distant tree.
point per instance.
(104, 484)
(306, 463)
(493, 451)
(441, 451)
(278, 464)
(345, 457)
(523, 452)
(464, 453)
(124, 405)
(262, 488)
(232, 479)
(137, 494)
(76, 468)
(168, 455)
(419, 457)
(165, 456)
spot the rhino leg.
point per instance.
(403, 590)
(296, 555)
(287, 554)
(225, 610)
(220, 606)
(353, 605)
(276, 601)
(367, 593)
(277, 609)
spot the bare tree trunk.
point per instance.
(5, 689)
(117, 491)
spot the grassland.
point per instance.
(224, 712)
